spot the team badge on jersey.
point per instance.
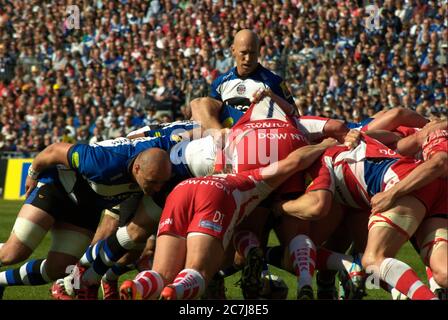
(241, 89)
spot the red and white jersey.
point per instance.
(264, 135)
(266, 114)
(312, 127)
(436, 141)
(212, 205)
(354, 176)
(406, 131)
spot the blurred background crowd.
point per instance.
(135, 62)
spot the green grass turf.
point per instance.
(8, 213)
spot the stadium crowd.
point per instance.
(379, 67)
(132, 63)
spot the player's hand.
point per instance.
(382, 201)
(30, 184)
(329, 142)
(260, 94)
(352, 138)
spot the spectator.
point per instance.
(128, 56)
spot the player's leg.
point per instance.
(113, 248)
(204, 256)
(249, 252)
(30, 227)
(206, 111)
(388, 231)
(330, 233)
(68, 244)
(312, 205)
(62, 288)
(293, 235)
(432, 237)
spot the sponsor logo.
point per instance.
(228, 122)
(176, 138)
(209, 182)
(75, 160)
(210, 225)
(259, 125)
(167, 221)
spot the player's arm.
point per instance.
(139, 133)
(396, 117)
(316, 202)
(335, 129)
(385, 137)
(425, 173)
(206, 110)
(276, 173)
(56, 153)
(410, 145)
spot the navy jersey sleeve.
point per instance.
(214, 91)
(95, 163)
(279, 88)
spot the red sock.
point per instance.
(149, 284)
(189, 284)
(303, 256)
(244, 241)
(400, 276)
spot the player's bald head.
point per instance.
(153, 156)
(151, 169)
(248, 38)
(245, 50)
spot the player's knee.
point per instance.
(440, 275)
(9, 256)
(136, 233)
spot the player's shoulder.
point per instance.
(267, 75)
(229, 75)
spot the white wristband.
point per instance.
(32, 174)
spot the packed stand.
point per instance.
(132, 63)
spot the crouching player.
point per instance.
(197, 225)
(432, 235)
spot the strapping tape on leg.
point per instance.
(405, 224)
(28, 232)
(431, 242)
(70, 242)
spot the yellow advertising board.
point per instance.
(16, 173)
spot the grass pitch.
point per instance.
(8, 213)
